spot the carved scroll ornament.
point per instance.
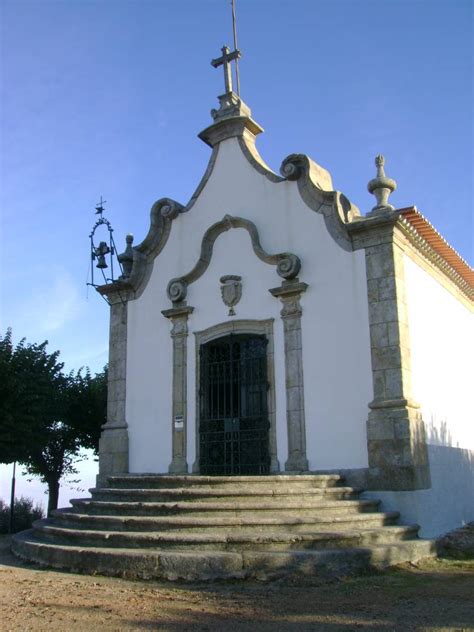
(287, 264)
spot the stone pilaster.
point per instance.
(398, 457)
(179, 335)
(289, 293)
(113, 444)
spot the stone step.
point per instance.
(178, 516)
(146, 507)
(153, 481)
(180, 519)
(219, 539)
(201, 527)
(229, 494)
(212, 565)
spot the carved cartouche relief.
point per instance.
(231, 291)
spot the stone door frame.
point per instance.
(252, 327)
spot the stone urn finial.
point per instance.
(126, 258)
(381, 187)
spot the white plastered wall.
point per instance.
(335, 332)
(442, 352)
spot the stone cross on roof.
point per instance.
(225, 60)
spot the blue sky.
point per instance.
(106, 97)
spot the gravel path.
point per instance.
(432, 595)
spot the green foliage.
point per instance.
(24, 515)
(31, 385)
(45, 415)
(87, 405)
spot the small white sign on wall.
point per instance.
(179, 422)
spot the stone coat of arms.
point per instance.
(231, 290)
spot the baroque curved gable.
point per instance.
(314, 185)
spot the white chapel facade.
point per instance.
(267, 326)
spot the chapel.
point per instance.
(268, 326)
(289, 380)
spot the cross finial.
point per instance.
(225, 60)
(99, 209)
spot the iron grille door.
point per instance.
(234, 426)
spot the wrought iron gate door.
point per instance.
(234, 425)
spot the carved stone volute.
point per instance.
(177, 290)
(288, 266)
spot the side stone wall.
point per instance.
(398, 457)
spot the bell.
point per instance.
(101, 262)
(100, 253)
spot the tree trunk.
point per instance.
(53, 495)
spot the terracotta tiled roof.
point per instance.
(427, 232)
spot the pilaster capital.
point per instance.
(289, 292)
(394, 403)
(117, 292)
(179, 318)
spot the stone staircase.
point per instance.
(216, 527)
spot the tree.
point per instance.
(31, 384)
(87, 405)
(46, 416)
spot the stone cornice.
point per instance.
(162, 214)
(183, 311)
(393, 403)
(361, 225)
(316, 189)
(248, 148)
(204, 179)
(393, 226)
(289, 289)
(117, 292)
(232, 127)
(424, 249)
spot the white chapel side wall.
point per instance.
(442, 352)
(335, 331)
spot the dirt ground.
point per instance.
(434, 595)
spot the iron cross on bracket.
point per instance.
(225, 60)
(99, 209)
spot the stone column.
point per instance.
(179, 335)
(398, 456)
(289, 293)
(113, 444)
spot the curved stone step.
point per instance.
(282, 537)
(223, 539)
(198, 566)
(229, 494)
(232, 518)
(163, 481)
(144, 506)
(221, 527)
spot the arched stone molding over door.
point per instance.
(257, 327)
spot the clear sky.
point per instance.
(105, 97)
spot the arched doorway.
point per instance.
(234, 422)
